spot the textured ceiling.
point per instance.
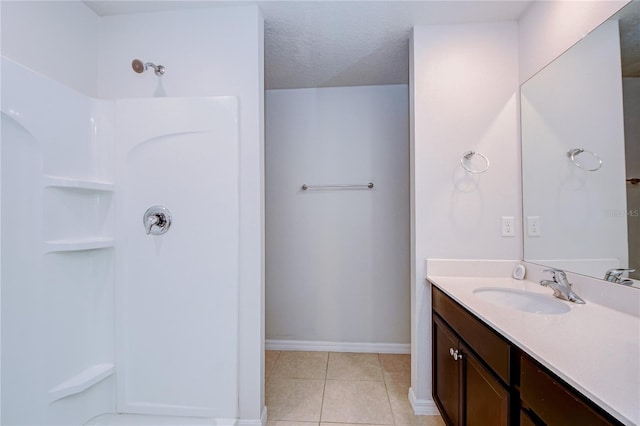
(339, 43)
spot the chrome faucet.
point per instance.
(561, 286)
(615, 276)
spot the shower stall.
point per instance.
(103, 315)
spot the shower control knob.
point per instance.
(157, 220)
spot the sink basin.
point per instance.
(522, 300)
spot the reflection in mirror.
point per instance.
(581, 155)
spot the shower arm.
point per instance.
(157, 69)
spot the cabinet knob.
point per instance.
(455, 354)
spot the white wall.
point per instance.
(576, 102)
(208, 52)
(56, 38)
(548, 28)
(337, 260)
(464, 85)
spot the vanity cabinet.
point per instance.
(545, 397)
(480, 378)
(467, 389)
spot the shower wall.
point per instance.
(58, 40)
(207, 52)
(177, 293)
(57, 258)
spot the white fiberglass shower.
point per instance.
(100, 318)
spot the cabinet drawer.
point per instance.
(554, 402)
(493, 349)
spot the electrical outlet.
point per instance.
(533, 226)
(508, 226)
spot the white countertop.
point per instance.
(594, 348)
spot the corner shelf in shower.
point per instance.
(81, 381)
(77, 245)
(64, 182)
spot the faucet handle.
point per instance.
(556, 273)
(561, 286)
(614, 275)
(153, 219)
(619, 271)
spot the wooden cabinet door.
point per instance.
(485, 400)
(525, 420)
(446, 373)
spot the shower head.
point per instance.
(140, 67)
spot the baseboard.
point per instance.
(422, 407)
(262, 421)
(148, 420)
(116, 419)
(306, 345)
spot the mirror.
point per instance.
(581, 154)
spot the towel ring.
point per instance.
(573, 153)
(467, 155)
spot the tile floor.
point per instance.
(340, 389)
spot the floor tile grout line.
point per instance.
(273, 366)
(386, 388)
(324, 388)
(275, 361)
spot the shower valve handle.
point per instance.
(151, 220)
(157, 220)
